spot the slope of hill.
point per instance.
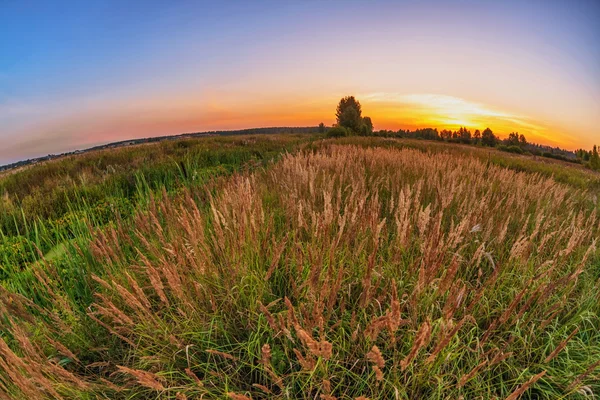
(292, 266)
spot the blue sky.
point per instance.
(75, 74)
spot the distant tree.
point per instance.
(464, 135)
(367, 126)
(426, 133)
(583, 155)
(322, 128)
(477, 136)
(512, 140)
(595, 158)
(349, 114)
(522, 140)
(488, 138)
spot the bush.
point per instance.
(560, 157)
(338, 131)
(510, 149)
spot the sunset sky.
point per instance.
(81, 73)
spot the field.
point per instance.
(298, 267)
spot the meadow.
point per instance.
(300, 267)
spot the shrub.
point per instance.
(338, 131)
(510, 149)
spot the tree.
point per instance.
(321, 128)
(513, 139)
(477, 136)
(583, 155)
(367, 126)
(595, 159)
(427, 133)
(464, 135)
(349, 114)
(522, 140)
(488, 138)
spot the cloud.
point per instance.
(443, 111)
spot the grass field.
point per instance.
(292, 266)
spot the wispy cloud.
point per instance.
(444, 111)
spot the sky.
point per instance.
(74, 74)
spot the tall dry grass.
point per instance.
(341, 272)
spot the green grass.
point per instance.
(58, 195)
(231, 224)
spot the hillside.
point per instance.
(155, 139)
(294, 266)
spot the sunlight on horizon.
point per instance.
(78, 73)
(449, 112)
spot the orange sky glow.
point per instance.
(69, 82)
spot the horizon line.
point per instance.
(6, 167)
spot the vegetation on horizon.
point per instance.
(350, 122)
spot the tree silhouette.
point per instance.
(349, 114)
(522, 140)
(513, 139)
(595, 158)
(367, 126)
(464, 135)
(488, 138)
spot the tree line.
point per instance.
(349, 121)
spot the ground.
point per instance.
(292, 266)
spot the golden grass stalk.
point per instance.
(523, 388)
(144, 378)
